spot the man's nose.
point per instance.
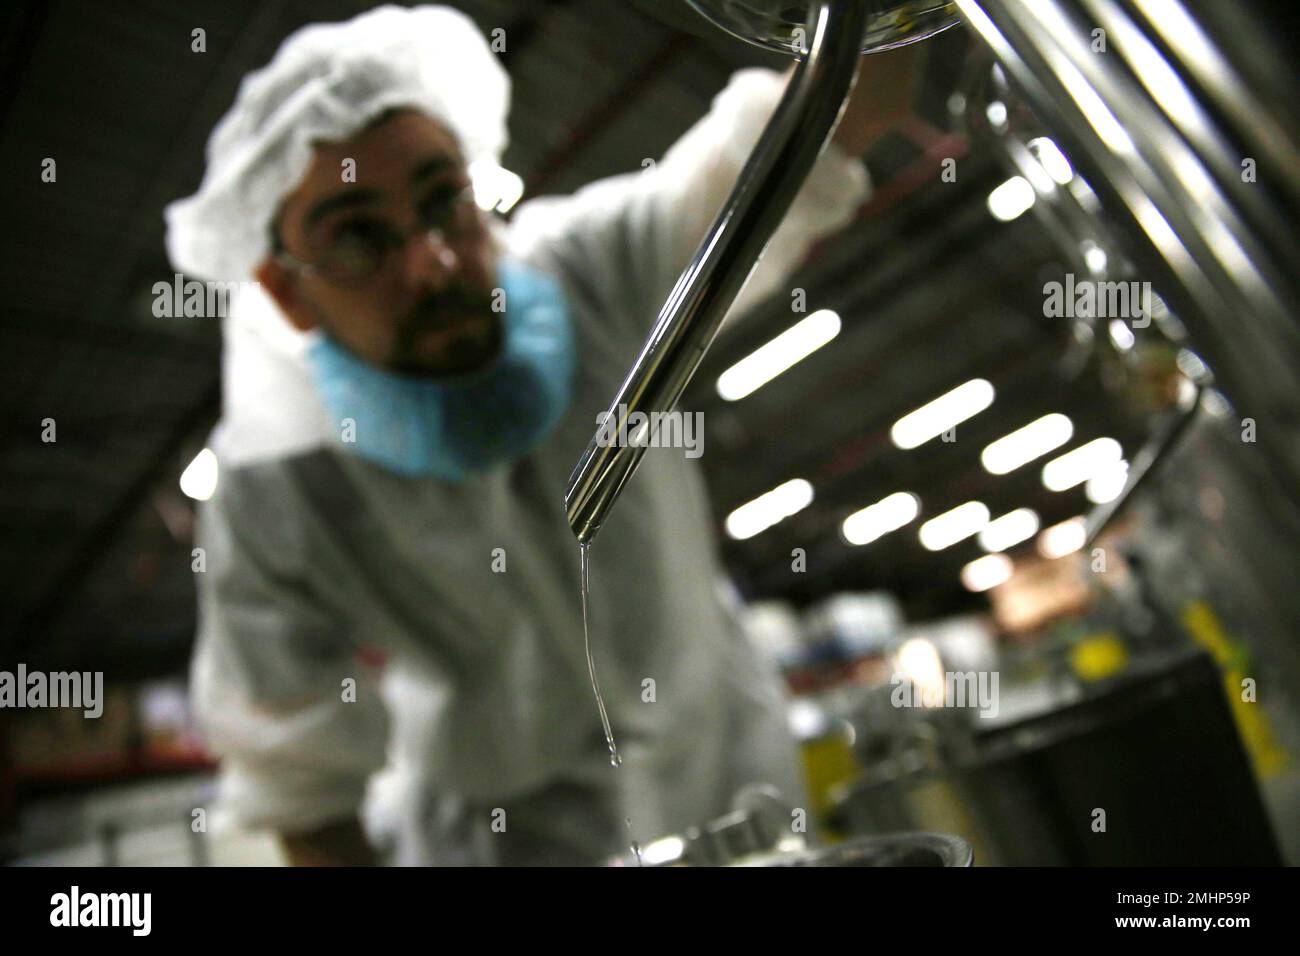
(429, 260)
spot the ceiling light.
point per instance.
(945, 412)
(886, 515)
(1077, 466)
(769, 508)
(1009, 530)
(1025, 444)
(960, 523)
(986, 572)
(1062, 539)
(1105, 486)
(793, 345)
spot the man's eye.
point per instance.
(361, 232)
(435, 207)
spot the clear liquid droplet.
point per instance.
(636, 847)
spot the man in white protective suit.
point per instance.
(391, 582)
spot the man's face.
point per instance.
(426, 308)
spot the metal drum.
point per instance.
(757, 833)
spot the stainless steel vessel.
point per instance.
(894, 849)
(782, 25)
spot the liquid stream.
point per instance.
(614, 758)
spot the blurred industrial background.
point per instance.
(1124, 664)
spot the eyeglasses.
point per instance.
(364, 247)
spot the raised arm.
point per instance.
(632, 235)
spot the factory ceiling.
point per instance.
(931, 289)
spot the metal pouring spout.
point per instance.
(791, 142)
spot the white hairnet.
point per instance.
(326, 82)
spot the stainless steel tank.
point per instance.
(781, 25)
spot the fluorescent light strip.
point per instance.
(886, 515)
(948, 410)
(1062, 539)
(769, 508)
(1025, 444)
(793, 345)
(1105, 486)
(960, 523)
(986, 572)
(1009, 530)
(1012, 199)
(1077, 466)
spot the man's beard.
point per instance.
(452, 332)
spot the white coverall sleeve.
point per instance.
(267, 677)
(645, 226)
